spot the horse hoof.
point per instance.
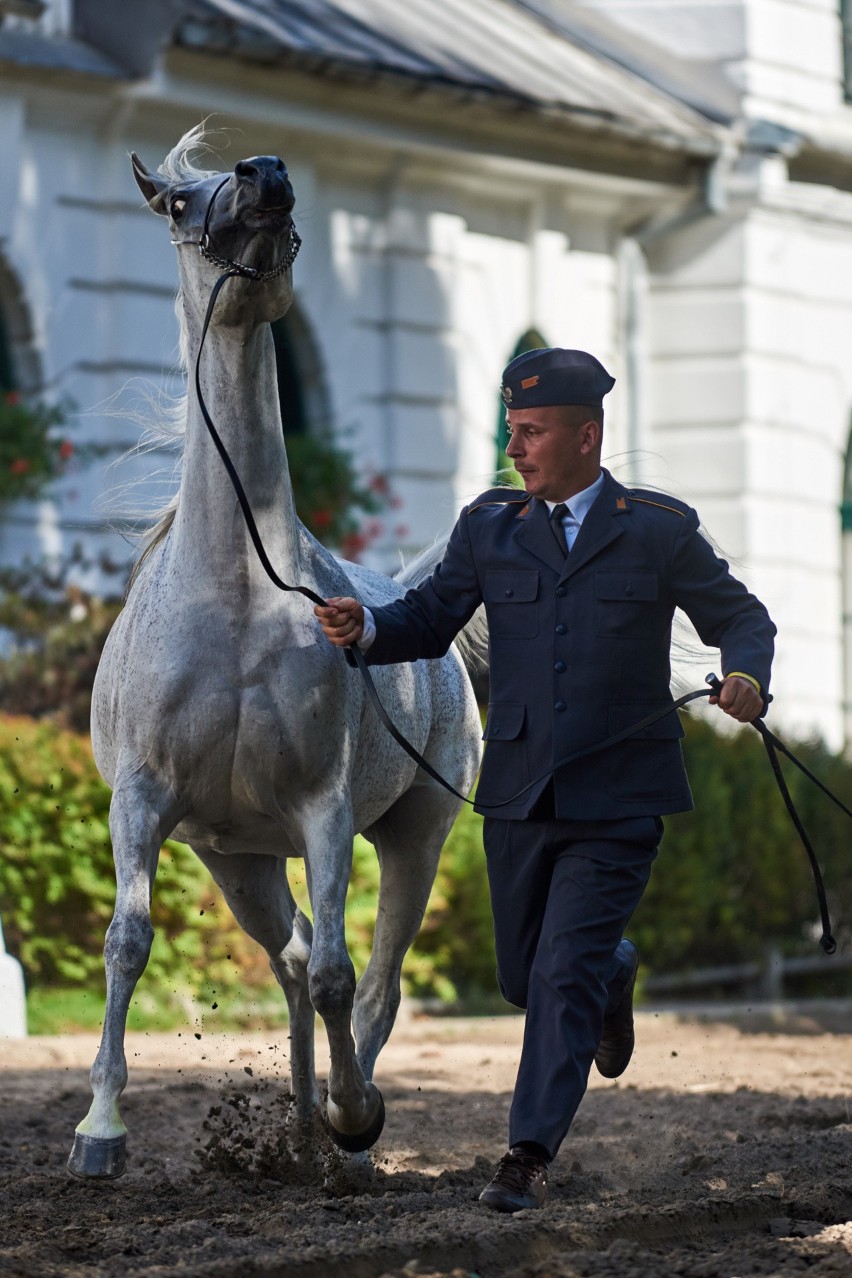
(93, 1158)
(357, 1142)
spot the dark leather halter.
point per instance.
(773, 744)
(241, 268)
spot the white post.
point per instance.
(13, 1003)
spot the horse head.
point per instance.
(240, 222)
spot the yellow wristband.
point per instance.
(738, 674)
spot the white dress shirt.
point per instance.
(578, 507)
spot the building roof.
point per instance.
(513, 51)
(32, 49)
(554, 58)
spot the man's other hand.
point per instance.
(740, 699)
(342, 621)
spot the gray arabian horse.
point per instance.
(221, 716)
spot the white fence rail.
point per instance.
(766, 978)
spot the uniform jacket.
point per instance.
(579, 645)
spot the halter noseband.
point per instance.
(241, 268)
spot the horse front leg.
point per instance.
(136, 824)
(355, 1110)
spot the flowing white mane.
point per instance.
(164, 416)
(178, 165)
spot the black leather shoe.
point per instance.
(618, 1040)
(520, 1181)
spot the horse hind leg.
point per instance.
(355, 1110)
(258, 894)
(408, 841)
(137, 822)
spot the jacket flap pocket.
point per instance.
(504, 722)
(623, 714)
(510, 586)
(626, 585)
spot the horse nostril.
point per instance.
(245, 169)
(259, 166)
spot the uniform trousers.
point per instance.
(562, 893)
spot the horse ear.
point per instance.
(151, 185)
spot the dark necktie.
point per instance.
(556, 516)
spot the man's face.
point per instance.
(556, 450)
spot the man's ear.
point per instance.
(591, 434)
(152, 186)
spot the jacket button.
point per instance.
(495, 732)
(628, 590)
(561, 591)
(509, 593)
(560, 706)
(562, 629)
(559, 667)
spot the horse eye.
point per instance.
(178, 207)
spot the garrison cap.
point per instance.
(555, 376)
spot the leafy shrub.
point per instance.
(57, 889)
(57, 885)
(730, 877)
(55, 633)
(330, 496)
(32, 452)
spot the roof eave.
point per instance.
(704, 142)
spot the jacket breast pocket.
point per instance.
(625, 602)
(510, 596)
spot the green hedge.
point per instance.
(733, 876)
(57, 889)
(730, 877)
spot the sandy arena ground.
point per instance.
(725, 1150)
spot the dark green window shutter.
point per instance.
(846, 21)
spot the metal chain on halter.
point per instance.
(251, 272)
(771, 742)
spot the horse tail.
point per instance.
(472, 641)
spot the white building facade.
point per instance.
(668, 185)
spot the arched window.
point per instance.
(301, 385)
(846, 559)
(532, 340)
(7, 376)
(20, 366)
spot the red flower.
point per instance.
(20, 466)
(379, 484)
(395, 502)
(12, 398)
(374, 528)
(66, 449)
(353, 543)
(401, 531)
(322, 518)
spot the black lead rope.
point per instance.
(773, 744)
(770, 741)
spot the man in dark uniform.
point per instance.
(580, 578)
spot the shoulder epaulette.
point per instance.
(499, 497)
(661, 500)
